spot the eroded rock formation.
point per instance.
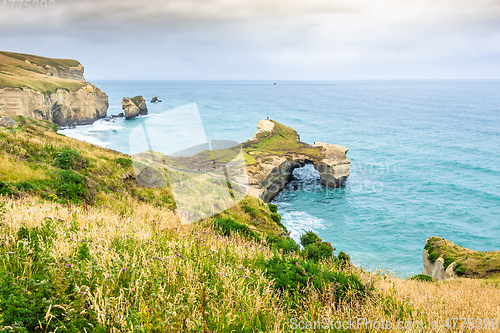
(273, 168)
(134, 107)
(64, 108)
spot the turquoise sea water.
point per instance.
(425, 156)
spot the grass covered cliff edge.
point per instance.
(84, 248)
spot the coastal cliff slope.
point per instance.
(85, 247)
(49, 89)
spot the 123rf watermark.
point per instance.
(29, 5)
(367, 324)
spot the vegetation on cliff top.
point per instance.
(283, 142)
(468, 262)
(136, 100)
(29, 71)
(114, 258)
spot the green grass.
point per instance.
(422, 277)
(136, 100)
(16, 73)
(283, 142)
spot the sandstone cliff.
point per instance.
(443, 259)
(49, 89)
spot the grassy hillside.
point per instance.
(84, 248)
(29, 71)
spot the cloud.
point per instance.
(243, 38)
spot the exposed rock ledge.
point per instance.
(275, 163)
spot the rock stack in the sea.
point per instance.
(155, 99)
(134, 107)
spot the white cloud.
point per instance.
(244, 38)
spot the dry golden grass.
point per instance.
(171, 270)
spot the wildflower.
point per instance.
(123, 269)
(69, 265)
(81, 292)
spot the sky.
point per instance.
(262, 39)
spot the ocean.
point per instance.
(425, 156)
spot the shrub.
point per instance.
(459, 269)
(294, 275)
(448, 261)
(25, 303)
(227, 225)
(318, 251)
(276, 217)
(433, 256)
(70, 159)
(24, 186)
(344, 259)
(309, 238)
(70, 184)
(273, 208)
(6, 189)
(124, 161)
(83, 252)
(287, 244)
(422, 277)
(248, 210)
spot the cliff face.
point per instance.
(81, 107)
(49, 89)
(436, 268)
(72, 73)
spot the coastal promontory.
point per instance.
(270, 157)
(49, 89)
(276, 150)
(442, 259)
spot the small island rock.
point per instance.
(134, 107)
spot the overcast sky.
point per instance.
(264, 39)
